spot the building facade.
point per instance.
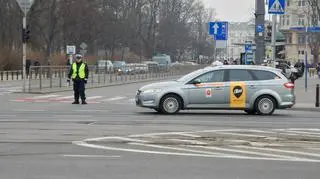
(297, 15)
(239, 33)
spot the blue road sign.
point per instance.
(248, 47)
(219, 30)
(276, 6)
(260, 28)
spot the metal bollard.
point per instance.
(317, 96)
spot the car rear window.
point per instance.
(264, 75)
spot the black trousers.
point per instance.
(79, 90)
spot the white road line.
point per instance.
(189, 135)
(94, 97)
(247, 152)
(114, 98)
(193, 142)
(302, 132)
(29, 110)
(178, 148)
(115, 137)
(92, 156)
(179, 133)
(279, 150)
(90, 110)
(84, 144)
(78, 116)
(239, 134)
(298, 129)
(64, 97)
(46, 96)
(8, 115)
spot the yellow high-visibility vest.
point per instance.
(82, 73)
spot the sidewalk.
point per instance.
(306, 100)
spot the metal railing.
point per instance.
(54, 78)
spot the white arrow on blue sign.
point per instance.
(219, 30)
(276, 6)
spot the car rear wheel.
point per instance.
(265, 105)
(170, 104)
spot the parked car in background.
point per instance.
(105, 65)
(138, 68)
(164, 61)
(119, 67)
(153, 67)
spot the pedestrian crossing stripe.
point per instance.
(69, 99)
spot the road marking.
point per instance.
(248, 152)
(90, 110)
(114, 98)
(93, 156)
(193, 142)
(177, 148)
(10, 115)
(29, 110)
(46, 96)
(71, 115)
(302, 132)
(65, 97)
(280, 150)
(84, 144)
(238, 134)
(115, 137)
(94, 97)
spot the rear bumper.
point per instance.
(286, 105)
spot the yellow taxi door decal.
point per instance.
(238, 95)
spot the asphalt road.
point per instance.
(44, 136)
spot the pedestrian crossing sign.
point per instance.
(277, 6)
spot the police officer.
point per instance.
(79, 73)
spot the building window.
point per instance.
(288, 3)
(289, 38)
(301, 20)
(301, 3)
(288, 19)
(301, 39)
(301, 52)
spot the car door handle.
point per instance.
(218, 88)
(252, 86)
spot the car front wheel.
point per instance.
(170, 104)
(265, 105)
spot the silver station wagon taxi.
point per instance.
(254, 89)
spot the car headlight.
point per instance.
(152, 91)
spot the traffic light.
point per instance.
(25, 35)
(269, 31)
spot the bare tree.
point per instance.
(314, 38)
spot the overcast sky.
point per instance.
(232, 10)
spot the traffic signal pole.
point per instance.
(273, 39)
(24, 53)
(259, 37)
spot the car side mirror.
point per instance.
(196, 81)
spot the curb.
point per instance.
(308, 109)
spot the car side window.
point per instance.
(264, 75)
(211, 77)
(240, 75)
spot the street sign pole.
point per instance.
(273, 40)
(25, 6)
(24, 54)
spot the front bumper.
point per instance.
(147, 100)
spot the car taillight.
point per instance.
(289, 85)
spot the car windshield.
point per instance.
(190, 75)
